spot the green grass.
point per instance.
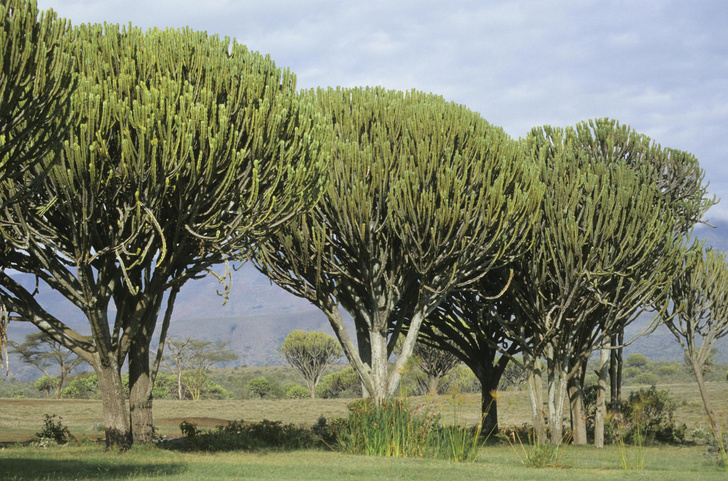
(494, 462)
(22, 418)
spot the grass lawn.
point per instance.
(20, 419)
(496, 462)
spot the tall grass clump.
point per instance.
(535, 454)
(395, 429)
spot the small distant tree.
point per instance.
(47, 384)
(191, 360)
(309, 353)
(637, 360)
(433, 361)
(260, 386)
(45, 353)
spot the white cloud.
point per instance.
(660, 67)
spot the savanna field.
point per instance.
(85, 457)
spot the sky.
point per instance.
(659, 66)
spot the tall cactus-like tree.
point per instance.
(189, 149)
(698, 315)
(602, 251)
(424, 196)
(466, 326)
(36, 81)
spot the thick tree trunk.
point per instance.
(601, 412)
(557, 398)
(578, 410)
(535, 396)
(140, 394)
(116, 420)
(489, 410)
(379, 367)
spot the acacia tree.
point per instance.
(601, 252)
(189, 148)
(42, 351)
(698, 315)
(310, 353)
(424, 196)
(190, 360)
(36, 82)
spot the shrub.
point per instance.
(47, 384)
(648, 414)
(260, 387)
(296, 391)
(668, 370)
(461, 380)
(646, 378)
(83, 387)
(54, 429)
(341, 384)
(238, 435)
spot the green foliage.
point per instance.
(165, 386)
(310, 353)
(295, 391)
(646, 378)
(462, 380)
(340, 384)
(260, 387)
(47, 384)
(636, 360)
(238, 435)
(83, 387)
(395, 429)
(54, 429)
(647, 417)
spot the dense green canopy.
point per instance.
(189, 148)
(424, 196)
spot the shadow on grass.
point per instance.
(32, 469)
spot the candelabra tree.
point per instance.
(424, 196)
(601, 251)
(698, 315)
(36, 82)
(189, 148)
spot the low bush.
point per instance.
(647, 415)
(238, 435)
(296, 391)
(54, 430)
(341, 384)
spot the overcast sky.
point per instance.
(659, 66)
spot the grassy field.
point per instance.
(496, 462)
(21, 418)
